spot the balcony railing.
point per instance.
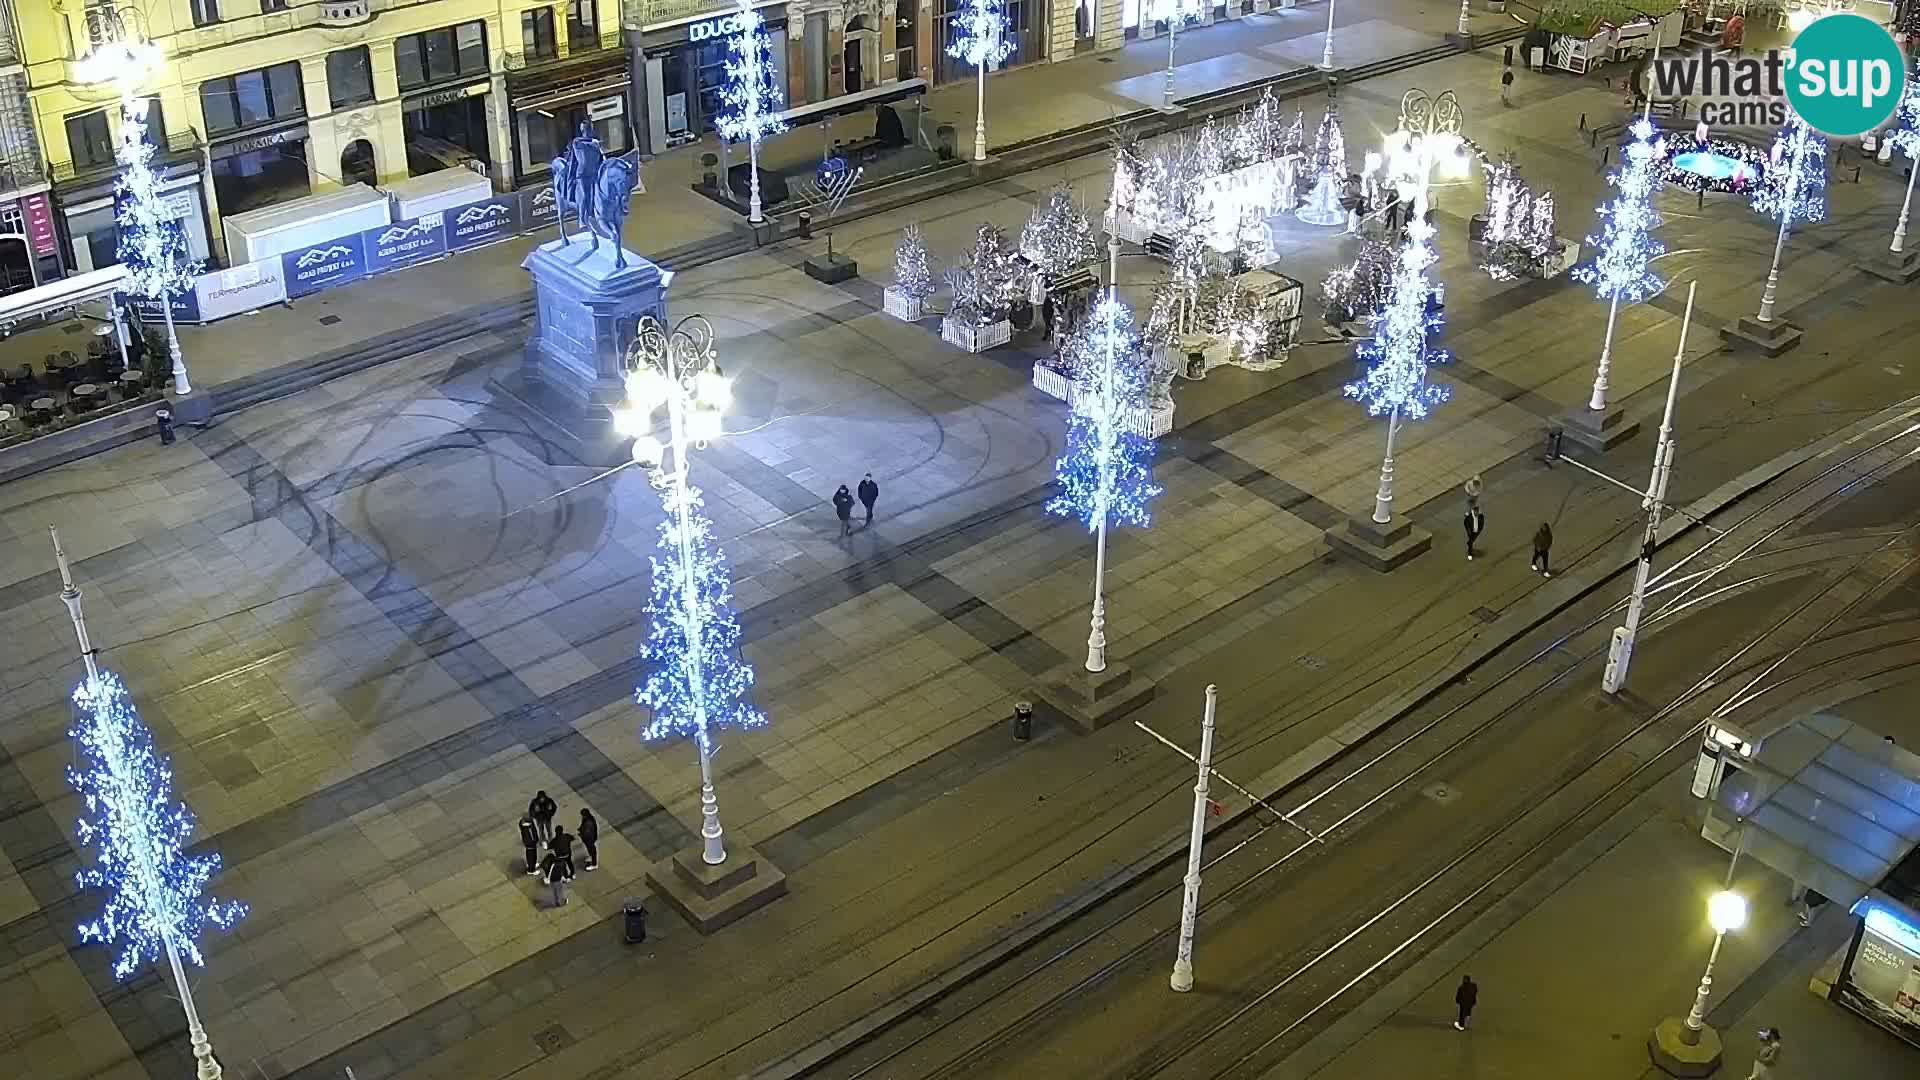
(344, 12)
(575, 48)
(179, 144)
(19, 175)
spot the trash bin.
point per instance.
(806, 225)
(1023, 720)
(709, 177)
(634, 917)
(944, 142)
(164, 420)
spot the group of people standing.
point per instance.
(1474, 522)
(869, 493)
(537, 831)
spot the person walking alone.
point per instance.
(843, 509)
(1543, 549)
(1506, 88)
(1767, 1056)
(1464, 999)
(590, 838)
(869, 494)
(1474, 522)
(560, 865)
(541, 810)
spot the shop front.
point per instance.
(687, 71)
(550, 105)
(261, 168)
(1026, 31)
(86, 208)
(446, 127)
(1880, 978)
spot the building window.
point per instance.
(583, 25)
(349, 76)
(905, 35)
(454, 52)
(205, 12)
(536, 33)
(269, 6)
(253, 97)
(88, 139)
(156, 122)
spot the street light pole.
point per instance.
(1780, 242)
(1726, 911)
(1900, 227)
(1463, 19)
(980, 116)
(1182, 979)
(1620, 650)
(1383, 495)
(1326, 49)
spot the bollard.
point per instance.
(1700, 201)
(1022, 720)
(163, 419)
(633, 918)
(806, 225)
(1583, 121)
(1553, 445)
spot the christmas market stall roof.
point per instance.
(58, 297)
(1825, 802)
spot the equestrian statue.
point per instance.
(596, 189)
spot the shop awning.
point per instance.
(63, 295)
(848, 104)
(1825, 802)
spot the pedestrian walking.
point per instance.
(1765, 1058)
(1393, 207)
(843, 509)
(1465, 997)
(1472, 489)
(558, 872)
(530, 842)
(869, 494)
(1475, 523)
(590, 838)
(1543, 549)
(541, 810)
(1506, 88)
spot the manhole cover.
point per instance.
(1485, 614)
(1441, 793)
(553, 1039)
(1312, 663)
(329, 320)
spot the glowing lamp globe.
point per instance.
(1726, 911)
(713, 389)
(646, 389)
(704, 425)
(117, 61)
(647, 451)
(631, 422)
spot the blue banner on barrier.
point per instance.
(538, 208)
(322, 266)
(482, 222)
(390, 247)
(186, 307)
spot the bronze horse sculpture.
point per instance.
(596, 189)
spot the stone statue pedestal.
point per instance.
(586, 312)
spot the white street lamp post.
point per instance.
(1383, 495)
(1182, 979)
(1620, 650)
(678, 369)
(1463, 18)
(1900, 227)
(1326, 49)
(1725, 911)
(1173, 35)
(206, 1067)
(1097, 636)
(980, 117)
(1772, 288)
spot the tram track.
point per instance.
(1662, 728)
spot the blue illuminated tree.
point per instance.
(1622, 271)
(1106, 474)
(697, 681)
(751, 98)
(1905, 137)
(980, 38)
(1397, 357)
(1794, 188)
(151, 245)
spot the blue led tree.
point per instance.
(1795, 187)
(751, 98)
(150, 243)
(157, 904)
(1905, 137)
(1106, 474)
(1395, 384)
(1622, 271)
(980, 38)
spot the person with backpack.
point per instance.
(843, 509)
(590, 838)
(1543, 549)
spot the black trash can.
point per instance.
(1023, 720)
(806, 225)
(634, 918)
(164, 420)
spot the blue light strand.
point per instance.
(696, 679)
(1397, 355)
(1106, 473)
(1622, 271)
(980, 34)
(1796, 180)
(156, 893)
(1905, 132)
(751, 100)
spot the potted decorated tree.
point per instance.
(912, 278)
(983, 292)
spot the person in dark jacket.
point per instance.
(560, 850)
(843, 509)
(869, 494)
(541, 810)
(1464, 999)
(1543, 549)
(530, 841)
(590, 838)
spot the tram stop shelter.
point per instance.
(1836, 808)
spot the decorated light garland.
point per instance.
(751, 98)
(1626, 244)
(1106, 474)
(1398, 355)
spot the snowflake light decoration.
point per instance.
(1627, 247)
(1904, 134)
(696, 679)
(1106, 475)
(980, 35)
(1796, 181)
(751, 98)
(1398, 356)
(156, 892)
(149, 242)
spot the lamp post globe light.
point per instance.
(1689, 1047)
(1725, 911)
(122, 56)
(1326, 49)
(696, 681)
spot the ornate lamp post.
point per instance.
(698, 682)
(1326, 50)
(1725, 911)
(121, 55)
